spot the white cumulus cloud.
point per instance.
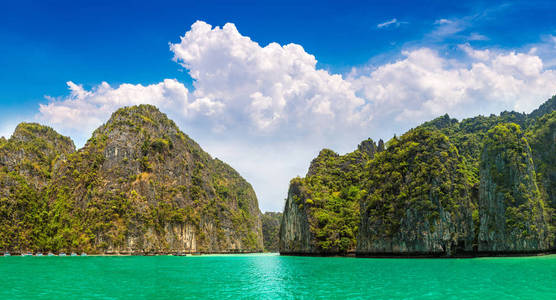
(271, 87)
(424, 84)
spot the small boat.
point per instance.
(73, 254)
(51, 254)
(83, 254)
(62, 254)
(7, 254)
(27, 254)
(38, 254)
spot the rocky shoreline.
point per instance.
(125, 253)
(427, 255)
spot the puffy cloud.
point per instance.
(479, 55)
(423, 84)
(272, 87)
(278, 91)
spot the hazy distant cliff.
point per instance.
(141, 185)
(271, 230)
(485, 185)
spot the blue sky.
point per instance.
(46, 43)
(459, 57)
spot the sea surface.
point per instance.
(270, 276)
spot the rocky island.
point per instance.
(480, 187)
(138, 186)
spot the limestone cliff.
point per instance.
(139, 185)
(295, 233)
(33, 151)
(321, 215)
(142, 185)
(445, 188)
(542, 138)
(27, 160)
(418, 202)
(512, 214)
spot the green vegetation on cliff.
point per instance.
(138, 185)
(542, 139)
(27, 161)
(418, 188)
(512, 213)
(442, 188)
(330, 195)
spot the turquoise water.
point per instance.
(274, 277)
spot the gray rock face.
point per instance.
(542, 138)
(172, 239)
(512, 215)
(310, 224)
(295, 234)
(417, 204)
(441, 237)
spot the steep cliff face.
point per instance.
(444, 188)
(27, 161)
(322, 210)
(295, 233)
(139, 185)
(512, 213)
(418, 202)
(542, 138)
(142, 185)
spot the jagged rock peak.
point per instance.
(445, 188)
(25, 132)
(32, 149)
(320, 161)
(139, 117)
